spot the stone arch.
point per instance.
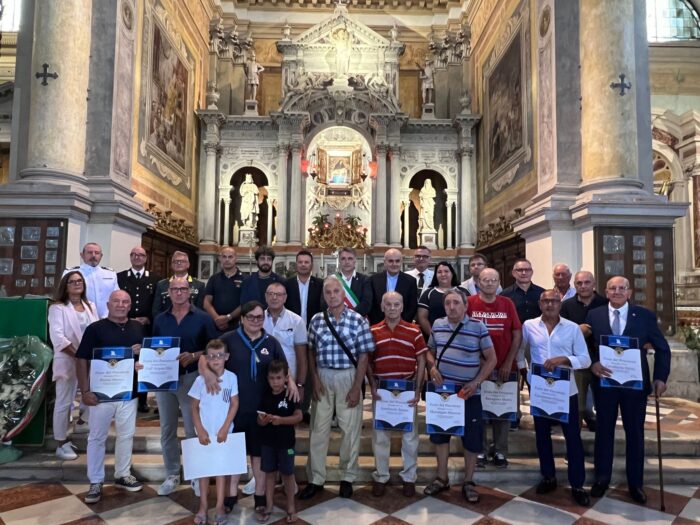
(229, 167)
(230, 205)
(413, 185)
(317, 130)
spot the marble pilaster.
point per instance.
(395, 197)
(295, 204)
(282, 210)
(208, 182)
(381, 203)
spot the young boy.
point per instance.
(213, 416)
(277, 416)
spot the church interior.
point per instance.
(561, 131)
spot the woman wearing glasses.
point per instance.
(430, 305)
(69, 316)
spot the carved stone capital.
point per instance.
(212, 148)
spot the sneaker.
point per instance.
(195, 487)
(66, 452)
(169, 485)
(94, 494)
(81, 428)
(480, 461)
(500, 460)
(249, 487)
(129, 483)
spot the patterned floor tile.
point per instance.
(683, 521)
(340, 511)
(490, 499)
(618, 512)
(30, 494)
(561, 498)
(683, 490)
(392, 501)
(90, 520)
(244, 513)
(431, 511)
(486, 520)
(674, 503)
(114, 498)
(523, 511)
(53, 512)
(390, 520)
(153, 511)
(320, 497)
(692, 510)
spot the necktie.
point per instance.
(616, 322)
(421, 280)
(138, 275)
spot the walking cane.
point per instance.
(658, 448)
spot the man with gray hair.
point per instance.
(561, 273)
(100, 281)
(339, 341)
(180, 265)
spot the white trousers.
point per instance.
(124, 415)
(65, 394)
(381, 446)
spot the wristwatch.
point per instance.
(228, 316)
(300, 385)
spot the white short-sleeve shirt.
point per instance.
(213, 408)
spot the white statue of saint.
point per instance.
(253, 71)
(249, 202)
(343, 48)
(427, 206)
(427, 82)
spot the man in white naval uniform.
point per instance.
(99, 280)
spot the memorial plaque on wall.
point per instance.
(645, 257)
(32, 255)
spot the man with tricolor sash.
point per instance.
(358, 293)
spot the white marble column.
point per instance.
(395, 198)
(226, 220)
(58, 110)
(295, 204)
(467, 201)
(269, 219)
(208, 232)
(406, 225)
(448, 244)
(381, 203)
(282, 210)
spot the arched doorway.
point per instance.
(234, 212)
(439, 213)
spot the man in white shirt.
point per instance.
(100, 281)
(422, 271)
(558, 342)
(477, 262)
(561, 273)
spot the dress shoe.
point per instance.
(345, 489)
(546, 486)
(638, 495)
(590, 423)
(378, 489)
(409, 489)
(310, 491)
(580, 496)
(598, 489)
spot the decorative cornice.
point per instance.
(175, 227)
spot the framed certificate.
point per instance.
(161, 368)
(500, 400)
(444, 409)
(549, 392)
(112, 373)
(623, 357)
(392, 411)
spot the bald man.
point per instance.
(392, 279)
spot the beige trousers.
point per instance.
(336, 384)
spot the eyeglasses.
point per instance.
(75, 281)
(275, 294)
(180, 262)
(254, 318)
(617, 288)
(550, 301)
(216, 357)
(180, 290)
(421, 256)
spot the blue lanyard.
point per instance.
(253, 355)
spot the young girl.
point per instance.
(277, 417)
(213, 416)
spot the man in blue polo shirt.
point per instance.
(195, 329)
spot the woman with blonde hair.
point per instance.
(69, 316)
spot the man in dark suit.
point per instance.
(358, 292)
(620, 317)
(392, 279)
(304, 291)
(140, 284)
(180, 265)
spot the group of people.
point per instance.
(263, 351)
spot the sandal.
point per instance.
(291, 517)
(469, 492)
(436, 486)
(220, 519)
(262, 515)
(200, 519)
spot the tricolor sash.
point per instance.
(350, 297)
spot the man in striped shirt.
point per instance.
(399, 354)
(468, 360)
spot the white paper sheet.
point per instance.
(214, 459)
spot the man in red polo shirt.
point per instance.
(399, 354)
(501, 318)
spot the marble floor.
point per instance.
(62, 504)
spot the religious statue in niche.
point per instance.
(427, 83)
(253, 70)
(343, 49)
(249, 202)
(427, 206)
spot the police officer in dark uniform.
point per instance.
(140, 284)
(180, 265)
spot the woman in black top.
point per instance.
(430, 306)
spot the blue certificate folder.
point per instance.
(398, 389)
(445, 390)
(558, 374)
(621, 343)
(120, 380)
(160, 345)
(512, 381)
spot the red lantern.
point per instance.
(305, 166)
(373, 169)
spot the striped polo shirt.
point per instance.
(462, 359)
(396, 350)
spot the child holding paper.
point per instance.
(277, 417)
(213, 416)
